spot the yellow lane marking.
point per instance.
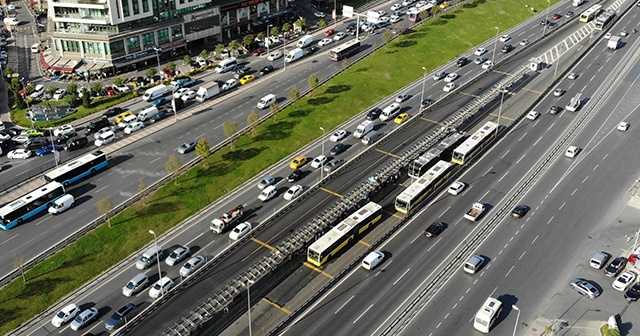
(285, 310)
(469, 94)
(306, 263)
(364, 243)
(263, 244)
(331, 192)
(431, 121)
(387, 153)
(534, 91)
(394, 215)
(502, 117)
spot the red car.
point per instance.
(330, 32)
(109, 90)
(258, 52)
(556, 16)
(167, 72)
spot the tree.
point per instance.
(274, 108)
(275, 31)
(96, 86)
(173, 166)
(322, 23)
(105, 207)
(313, 82)
(72, 88)
(202, 148)
(260, 36)
(301, 23)
(344, 63)
(204, 53)
(118, 81)
(435, 10)
(51, 89)
(219, 49)
(387, 37)
(286, 27)
(171, 66)
(230, 128)
(424, 15)
(19, 262)
(151, 72)
(187, 60)
(19, 100)
(141, 187)
(248, 40)
(294, 94)
(86, 98)
(234, 45)
(252, 121)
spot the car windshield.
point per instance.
(187, 266)
(61, 314)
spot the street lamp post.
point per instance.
(284, 53)
(423, 82)
(495, 46)
(517, 318)
(322, 168)
(157, 49)
(155, 242)
(268, 40)
(546, 18)
(249, 283)
(502, 91)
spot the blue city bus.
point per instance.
(78, 168)
(29, 205)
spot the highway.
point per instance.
(531, 259)
(106, 295)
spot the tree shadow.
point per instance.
(418, 35)
(154, 208)
(276, 131)
(338, 88)
(364, 69)
(392, 51)
(447, 17)
(320, 100)
(470, 5)
(242, 154)
(298, 113)
(439, 22)
(405, 43)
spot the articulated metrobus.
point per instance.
(590, 13)
(441, 151)
(78, 168)
(604, 18)
(473, 144)
(344, 233)
(344, 50)
(29, 205)
(423, 187)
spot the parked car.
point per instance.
(616, 266)
(59, 94)
(585, 288)
(633, 293)
(623, 126)
(625, 280)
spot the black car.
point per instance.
(462, 61)
(295, 175)
(96, 124)
(426, 102)
(374, 114)
(240, 71)
(119, 317)
(338, 148)
(506, 48)
(112, 112)
(36, 143)
(520, 211)
(544, 22)
(311, 50)
(76, 143)
(633, 293)
(555, 109)
(434, 229)
(63, 138)
(269, 68)
(158, 116)
(615, 267)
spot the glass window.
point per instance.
(163, 36)
(145, 6)
(176, 32)
(136, 7)
(133, 43)
(148, 40)
(115, 48)
(71, 46)
(125, 7)
(92, 47)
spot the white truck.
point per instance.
(577, 3)
(227, 220)
(294, 55)
(207, 91)
(614, 42)
(475, 212)
(304, 41)
(155, 92)
(373, 17)
(362, 129)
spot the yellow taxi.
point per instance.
(246, 79)
(122, 116)
(402, 117)
(298, 162)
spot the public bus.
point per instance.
(78, 168)
(487, 315)
(474, 143)
(344, 233)
(423, 187)
(344, 50)
(29, 205)
(418, 13)
(604, 18)
(590, 13)
(441, 151)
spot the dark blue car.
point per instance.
(160, 101)
(48, 149)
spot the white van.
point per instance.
(487, 315)
(390, 112)
(147, 113)
(135, 285)
(226, 65)
(105, 138)
(266, 101)
(150, 257)
(473, 264)
(268, 193)
(304, 41)
(364, 128)
(371, 137)
(61, 204)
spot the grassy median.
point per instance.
(372, 79)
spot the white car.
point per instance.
(293, 192)
(319, 161)
(625, 280)
(229, 84)
(382, 13)
(19, 154)
(487, 65)
(128, 120)
(572, 151)
(59, 93)
(324, 42)
(65, 315)
(456, 188)
(395, 7)
(559, 92)
(179, 92)
(11, 21)
(192, 265)
(319, 14)
(274, 56)
(64, 129)
(505, 38)
(84, 319)
(607, 36)
(188, 95)
(38, 91)
(160, 287)
(338, 135)
(394, 18)
(449, 87)
(402, 97)
(339, 36)
(623, 126)
(533, 115)
(97, 134)
(372, 260)
(105, 138)
(177, 255)
(240, 231)
(480, 51)
(451, 77)
(524, 42)
(20, 138)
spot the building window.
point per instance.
(133, 44)
(92, 47)
(136, 7)
(176, 32)
(115, 48)
(125, 7)
(163, 36)
(145, 6)
(148, 40)
(182, 2)
(71, 46)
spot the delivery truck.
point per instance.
(294, 55)
(207, 91)
(227, 220)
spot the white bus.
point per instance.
(423, 187)
(574, 104)
(477, 141)
(487, 315)
(442, 151)
(29, 205)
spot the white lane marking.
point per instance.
(503, 176)
(585, 178)
(101, 189)
(351, 298)
(361, 315)
(535, 143)
(574, 192)
(505, 153)
(550, 219)
(414, 239)
(445, 211)
(434, 244)
(534, 239)
(596, 167)
(9, 239)
(605, 157)
(403, 274)
(522, 255)
(506, 275)
(562, 206)
(154, 160)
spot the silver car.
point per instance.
(332, 165)
(585, 288)
(266, 181)
(192, 265)
(84, 319)
(187, 147)
(177, 255)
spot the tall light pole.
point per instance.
(322, 168)
(495, 46)
(423, 82)
(517, 318)
(157, 50)
(268, 40)
(284, 53)
(155, 242)
(502, 91)
(249, 283)
(546, 19)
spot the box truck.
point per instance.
(294, 55)
(207, 91)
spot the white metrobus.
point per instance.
(473, 144)
(487, 315)
(423, 187)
